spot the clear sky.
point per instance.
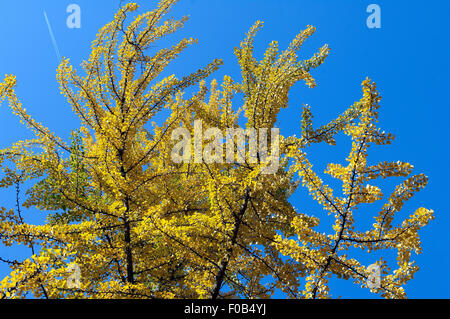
(407, 57)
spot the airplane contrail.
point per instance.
(58, 55)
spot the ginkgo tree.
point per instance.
(126, 220)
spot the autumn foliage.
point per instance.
(139, 225)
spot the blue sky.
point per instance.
(407, 58)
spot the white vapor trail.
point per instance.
(58, 55)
